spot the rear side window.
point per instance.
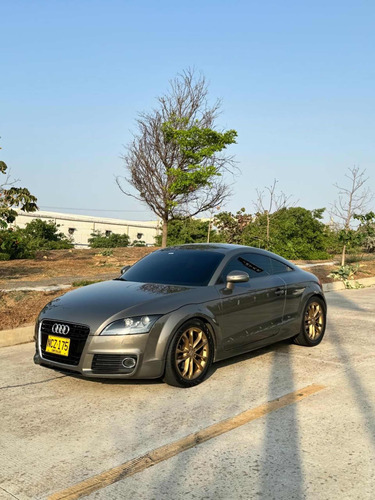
(279, 267)
(261, 261)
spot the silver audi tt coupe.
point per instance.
(177, 311)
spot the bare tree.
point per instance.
(353, 199)
(268, 202)
(175, 161)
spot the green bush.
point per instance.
(369, 244)
(346, 274)
(46, 236)
(17, 243)
(295, 233)
(100, 240)
(84, 283)
(138, 243)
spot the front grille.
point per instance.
(110, 363)
(78, 335)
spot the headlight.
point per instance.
(130, 326)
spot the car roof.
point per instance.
(225, 248)
(213, 247)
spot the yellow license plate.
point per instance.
(58, 345)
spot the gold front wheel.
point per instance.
(192, 353)
(189, 355)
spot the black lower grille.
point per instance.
(77, 334)
(111, 363)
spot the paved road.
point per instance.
(58, 430)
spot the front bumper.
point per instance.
(142, 348)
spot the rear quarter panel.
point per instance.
(301, 286)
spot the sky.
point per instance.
(296, 79)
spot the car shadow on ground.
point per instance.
(246, 356)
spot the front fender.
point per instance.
(177, 318)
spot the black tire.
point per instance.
(181, 355)
(313, 323)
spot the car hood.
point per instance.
(101, 303)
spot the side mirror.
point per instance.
(236, 277)
(124, 269)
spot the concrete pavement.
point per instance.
(58, 430)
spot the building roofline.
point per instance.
(41, 214)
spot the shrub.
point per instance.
(84, 283)
(100, 240)
(46, 236)
(369, 244)
(346, 274)
(138, 243)
(17, 243)
(295, 233)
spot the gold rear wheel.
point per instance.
(313, 323)
(192, 353)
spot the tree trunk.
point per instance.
(343, 255)
(164, 234)
(209, 230)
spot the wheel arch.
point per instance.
(208, 321)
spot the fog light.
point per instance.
(128, 362)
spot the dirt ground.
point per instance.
(75, 262)
(20, 308)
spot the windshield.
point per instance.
(175, 267)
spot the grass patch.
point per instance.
(77, 284)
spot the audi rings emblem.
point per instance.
(61, 329)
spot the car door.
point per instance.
(252, 311)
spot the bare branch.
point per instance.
(352, 198)
(8, 182)
(151, 161)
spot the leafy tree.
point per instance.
(175, 161)
(296, 234)
(231, 226)
(187, 230)
(100, 240)
(12, 197)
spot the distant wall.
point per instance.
(80, 227)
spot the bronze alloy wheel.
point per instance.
(314, 320)
(192, 353)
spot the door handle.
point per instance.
(279, 291)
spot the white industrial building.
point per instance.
(80, 227)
